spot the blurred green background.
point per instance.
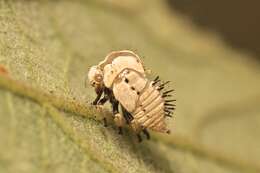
(236, 21)
(49, 46)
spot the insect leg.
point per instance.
(103, 100)
(128, 117)
(133, 123)
(146, 133)
(139, 138)
(118, 118)
(115, 107)
(99, 94)
(120, 132)
(105, 122)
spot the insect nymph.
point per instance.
(121, 77)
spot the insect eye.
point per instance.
(98, 78)
(93, 83)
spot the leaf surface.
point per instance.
(47, 124)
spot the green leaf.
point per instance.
(48, 125)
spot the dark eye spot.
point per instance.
(138, 93)
(133, 88)
(126, 80)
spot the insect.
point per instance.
(121, 79)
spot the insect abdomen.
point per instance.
(149, 112)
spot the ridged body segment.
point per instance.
(150, 110)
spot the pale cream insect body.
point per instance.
(122, 79)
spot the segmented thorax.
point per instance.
(126, 77)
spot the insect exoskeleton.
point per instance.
(122, 79)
